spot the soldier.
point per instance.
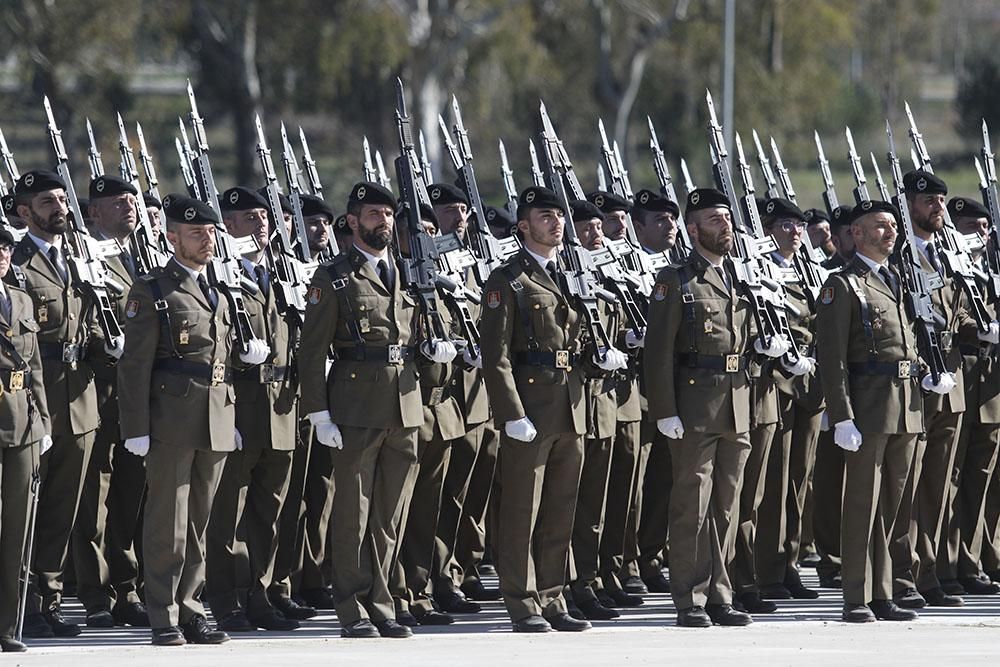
(154, 209)
(533, 360)
(10, 210)
(820, 234)
(868, 364)
(317, 216)
(368, 408)
(242, 531)
(67, 337)
(699, 397)
(25, 437)
(499, 221)
(176, 399)
(843, 241)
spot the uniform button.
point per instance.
(563, 306)
(691, 381)
(72, 316)
(362, 307)
(537, 306)
(354, 375)
(531, 380)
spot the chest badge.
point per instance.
(709, 326)
(184, 337)
(43, 313)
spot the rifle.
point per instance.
(84, 259)
(955, 254)
(830, 200)
(683, 248)
(689, 185)
(915, 280)
(94, 155)
(144, 248)
(312, 174)
(602, 179)
(292, 172)
(861, 186)
(152, 184)
(425, 163)
(765, 169)
(991, 197)
(26, 549)
(186, 155)
(225, 272)
(627, 184)
(383, 176)
(8, 161)
(537, 179)
(508, 183)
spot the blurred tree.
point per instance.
(978, 96)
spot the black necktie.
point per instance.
(128, 263)
(889, 280)
(722, 276)
(209, 292)
(54, 258)
(550, 268)
(263, 279)
(385, 274)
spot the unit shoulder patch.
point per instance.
(826, 296)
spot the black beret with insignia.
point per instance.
(647, 200)
(498, 217)
(963, 207)
(38, 180)
(539, 197)
(841, 216)
(782, 208)
(7, 203)
(189, 211)
(701, 198)
(374, 194)
(110, 185)
(340, 225)
(313, 205)
(924, 183)
(608, 201)
(442, 194)
(427, 214)
(150, 201)
(873, 206)
(6, 237)
(241, 198)
(814, 216)
(582, 211)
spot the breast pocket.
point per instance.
(707, 320)
(185, 330)
(546, 312)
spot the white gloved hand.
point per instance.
(802, 366)
(942, 386)
(614, 359)
(327, 433)
(847, 436)
(824, 421)
(239, 441)
(138, 446)
(256, 353)
(45, 444)
(444, 351)
(521, 429)
(474, 361)
(671, 427)
(993, 335)
(115, 347)
(777, 346)
(634, 340)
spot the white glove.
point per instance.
(942, 386)
(521, 429)
(633, 340)
(327, 432)
(138, 446)
(802, 366)
(847, 436)
(993, 335)
(614, 359)
(115, 347)
(239, 441)
(824, 421)
(777, 346)
(474, 361)
(444, 351)
(45, 443)
(256, 353)
(671, 427)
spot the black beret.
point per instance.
(110, 185)
(539, 197)
(874, 206)
(782, 208)
(608, 201)
(189, 211)
(6, 237)
(582, 210)
(340, 225)
(700, 198)
(841, 216)
(7, 202)
(442, 194)
(150, 201)
(283, 200)
(427, 214)
(923, 182)
(38, 180)
(648, 200)
(313, 205)
(498, 217)
(367, 192)
(814, 216)
(963, 207)
(241, 198)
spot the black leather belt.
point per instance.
(68, 353)
(726, 363)
(896, 369)
(390, 354)
(560, 359)
(263, 373)
(214, 373)
(13, 380)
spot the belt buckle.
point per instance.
(903, 371)
(70, 353)
(562, 360)
(946, 340)
(732, 363)
(395, 354)
(266, 373)
(218, 374)
(16, 380)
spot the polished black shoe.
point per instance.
(593, 610)
(811, 559)
(952, 587)
(101, 618)
(197, 631)
(566, 623)
(235, 621)
(317, 598)
(11, 645)
(887, 610)
(36, 627)
(360, 629)
(635, 585)
(857, 613)
(979, 586)
(693, 617)
(131, 613)
(775, 592)
(432, 617)
(622, 599)
(532, 624)
(406, 618)
(455, 603)
(60, 626)
(724, 614)
(656, 583)
(473, 589)
(831, 581)
(571, 607)
(289, 608)
(936, 597)
(800, 592)
(753, 604)
(273, 620)
(910, 599)
(171, 636)
(390, 629)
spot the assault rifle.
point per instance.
(991, 197)
(682, 247)
(93, 155)
(367, 166)
(537, 179)
(312, 174)
(300, 242)
(508, 183)
(860, 184)
(144, 248)
(689, 185)
(830, 200)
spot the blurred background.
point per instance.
(329, 66)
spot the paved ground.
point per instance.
(802, 633)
